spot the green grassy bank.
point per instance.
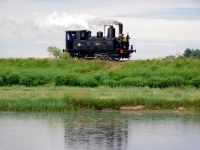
(62, 85)
(20, 98)
(157, 73)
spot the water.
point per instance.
(99, 130)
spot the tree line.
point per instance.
(191, 53)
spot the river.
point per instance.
(99, 130)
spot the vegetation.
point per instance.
(20, 98)
(67, 84)
(192, 53)
(57, 53)
(156, 73)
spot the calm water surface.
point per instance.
(99, 130)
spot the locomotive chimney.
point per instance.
(120, 29)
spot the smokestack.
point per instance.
(120, 29)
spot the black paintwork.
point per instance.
(80, 43)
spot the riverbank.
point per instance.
(64, 98)
(62, 85)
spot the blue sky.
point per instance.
(157, 28)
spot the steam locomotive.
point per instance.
(80, 44)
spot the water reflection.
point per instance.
(99, 130)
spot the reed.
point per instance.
(62, 85)
(77, 98)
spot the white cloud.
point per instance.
(36, 26)
(43, 26)
(43, 42)
(181, 30)
(98, 8)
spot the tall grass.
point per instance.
(19, 98)
(154, 73)
(67, 104)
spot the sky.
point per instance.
(158, 28)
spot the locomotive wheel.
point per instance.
(81, 55)
(73, 56)
(110, 58)
(116, 59)
(98, 56)
(105, 58)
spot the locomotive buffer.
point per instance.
(80, 44)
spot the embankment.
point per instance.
(61, 85)
(99, 98)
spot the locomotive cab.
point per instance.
(72, 36)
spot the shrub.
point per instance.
(131, 81)
(29, 80)
(1, 81)
(98, 77)
(158, 82)
(164, 83)
(72, 80)
(88, 82)
(4, 78)
(128, 82)
(196, 82)
(59, 80)
(176, 81)
(13, 79)
(111, 83)
(43, 80)
(102, 78)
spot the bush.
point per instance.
(43, 80)
(131, 81)
(111, 83)
(4, 78)
(196, 82)
(158, 82)
(13, 79)
(59, 80)
(88, 82)
(29, 80)
(1, 81)
(102, 78)
(98, 77)
(128, 82)
(176, 81)
(72, 80)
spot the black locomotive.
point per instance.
(80, 44)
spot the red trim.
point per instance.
(66, 50)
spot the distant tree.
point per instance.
(195, 53)
(187, 52)
(170, 57)
(54, 51)
(57, 53)
(191, 53)
(65, 56)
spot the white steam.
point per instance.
(55, 24)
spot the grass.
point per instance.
(20, 98)
(35, 84)
(160, 73)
